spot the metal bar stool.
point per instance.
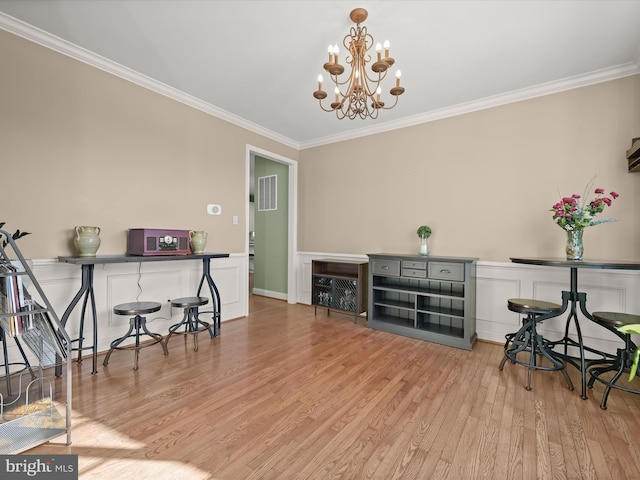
(528, 340)
(623, 359)
(137, 323)
(190, 320)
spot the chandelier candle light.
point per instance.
(359, 94)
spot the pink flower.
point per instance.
(577, 211)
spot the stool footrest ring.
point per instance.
(191, 321)
(137, 328)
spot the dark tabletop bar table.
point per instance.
(86, 289)
(572, 300)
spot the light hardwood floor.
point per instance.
(284, 394)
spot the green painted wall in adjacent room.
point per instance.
(271, 227)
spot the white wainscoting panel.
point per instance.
(117, 283)
(606, 290)
(612, 290)
(616, 290)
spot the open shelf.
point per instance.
(395, 304)
(421, 287)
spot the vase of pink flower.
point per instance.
(575, 213)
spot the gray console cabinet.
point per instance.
(425, 297)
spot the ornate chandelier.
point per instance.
(359, 94)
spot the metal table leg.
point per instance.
(570, 301)
(215, 295)
(86, 291)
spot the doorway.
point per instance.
(253, 240)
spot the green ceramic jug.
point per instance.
(198, 241)
(87, 240)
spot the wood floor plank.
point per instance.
(286, 394)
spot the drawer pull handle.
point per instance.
(444, 270)
(385, 267)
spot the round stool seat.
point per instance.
(616, 319)
(188, 302)
(136, 308)
(528, 305)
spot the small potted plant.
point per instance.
(424, 232)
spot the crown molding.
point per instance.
(71, 50)
(570, 83)
(36, 35)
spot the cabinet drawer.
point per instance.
(446, 271)
(413, 272)
(414, 264)
(380, 266)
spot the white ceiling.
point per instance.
(255, 62)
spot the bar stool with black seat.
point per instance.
(190, 320)
(137, 328)
(609, 372)
(529, 342)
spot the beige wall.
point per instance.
(83, 147)
(483, 181)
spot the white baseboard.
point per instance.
(117, 283)
(270, 294)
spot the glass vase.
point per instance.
(575, 249)
(424, 247)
